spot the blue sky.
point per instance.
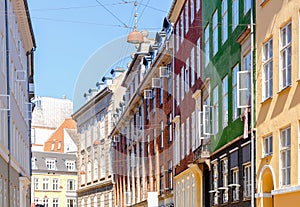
(69, 33)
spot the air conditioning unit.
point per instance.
(156, 83)
(164, 72)
(21, 75)
(147, 94)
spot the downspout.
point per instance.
(252, 112)
(8, 93)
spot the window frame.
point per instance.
(267, 145)
(235, 14)
(207, 44)
(247, 181)
(225, 108)
(224, 21)
(285, 150)
(267, 58)
(215, 32)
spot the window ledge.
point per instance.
(264, 2)
(267, 156)
(266, 100)
(284, 89)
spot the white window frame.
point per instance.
(71, 202)
(224, 21)
(206, 45)
(267, 73)
(215, 32)
(225, 101)
(182, 141)
(224, 165)
(187, 136)
(89, 171)
(70, 165)
(235, 14)
(46, 183)
(55, 184)
(285, 156)
(36, 183)
(215, 183)
(235, 184)
(192, 66)
(192, 10)
(198, 53)
(71, 185)
(187, 76)
(235, 109)
(267, 146)
(215, 110)
(55, 202)
(186, 14)
(247, 180)
(285, 47)
(182, 83)
(50, 164)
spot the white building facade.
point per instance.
(17, 45)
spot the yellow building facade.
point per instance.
(54, 179)
(277, 103)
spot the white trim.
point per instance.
(261, 173)
(233, 150)
(222, 156)
(242, 145)
(214, 161)
(263, 195)
(286, 190)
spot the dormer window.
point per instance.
(70, 165)
(50, 164)
(33, 163)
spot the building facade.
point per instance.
(143, 132)
(54, 179)
(277, 103)
(187, 80)
(49, 113)
(226, 104)
(17, 45)
(94, 123)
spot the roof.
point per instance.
(40, 161)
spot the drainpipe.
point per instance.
(252, 112)
(8, 93)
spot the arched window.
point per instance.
(96, 169)
(89, 172)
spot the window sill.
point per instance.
(286, 88)
(264, 2)
(266, 100)
(267, 156)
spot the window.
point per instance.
(59, 145)
(235, 184)
(198, 5)
(235, 13)
(192, 66)
(186, 17)
(177, 89)
(187, 136)
(224, 21)
(55, 184)
(285, 156)
(286, 56)
(161, 96)
(215, 32)
(182, 27)
(247, 181)
(215, 183)
(170, 175)
(153, 100)
(268, 69)
(46, 182)
(169, 79)
(71, 185)
(46, 202)
(182, 141)
(82, 203)
(95, 201)
(102, 202)
(247, 5)
(55, 202)
(70, 165)
(36, 200)
(198, 58)
(89, 172)
(82, 173)
(161, 134)
(71, 202)
(192, 10)
(193, 130)
(224, 164)
(187, 76)
(161, 179)
(170, 127)
(206, 44)
(268, 145)
(96, 169)
(50, 164)
(36, 183)
(244, 83)
(225, 101)
(52, 146)
(235, 110)
(154, 141)
(182, 83)
(215, 110)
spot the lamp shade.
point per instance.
(135, 37)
